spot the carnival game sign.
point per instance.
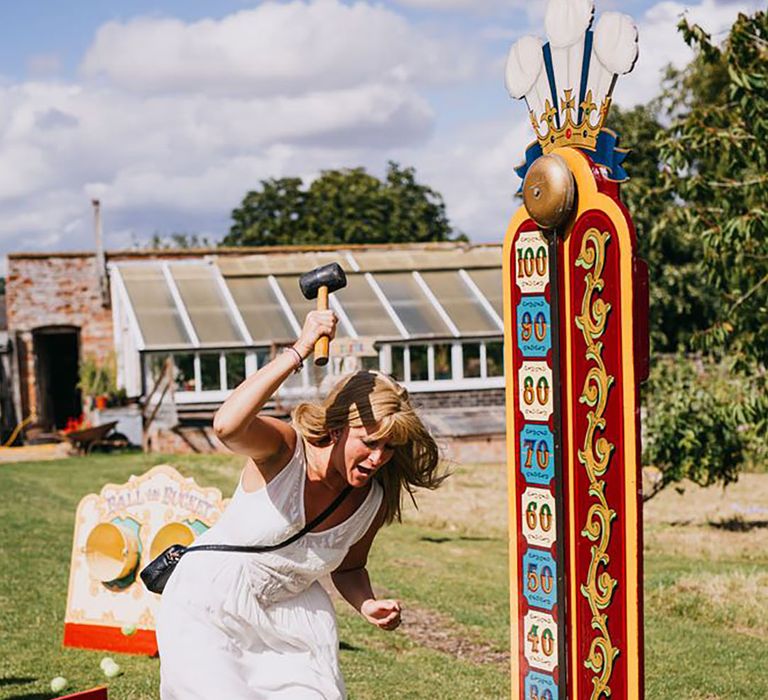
(575, 298)
(117, 533)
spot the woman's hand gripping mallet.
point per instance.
(317, 284)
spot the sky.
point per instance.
(171, 111)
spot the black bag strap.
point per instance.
(252, 549)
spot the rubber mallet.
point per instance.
(318, 284)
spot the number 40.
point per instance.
(547, 640)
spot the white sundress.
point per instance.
(238, 626)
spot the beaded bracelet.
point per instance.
(300, 364)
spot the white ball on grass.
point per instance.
(112, 670)
(58, 684)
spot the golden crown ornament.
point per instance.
(568, 81)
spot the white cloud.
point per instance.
(273, 49)
(187, 151)
(172, 122)
(452, 5)
(473, 167)
(661, 44)
(155, 135)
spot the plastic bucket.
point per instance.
(172, 533)
(111, 551)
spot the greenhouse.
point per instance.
(430, 316)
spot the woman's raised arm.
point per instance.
(237, 423)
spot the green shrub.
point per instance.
(694, 422)
(98, 378)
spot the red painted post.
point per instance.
(576, 347)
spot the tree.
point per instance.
(703, 419)
(178, 241)
(680, 302)
(269, 216)
(342, 206)
(717, 155)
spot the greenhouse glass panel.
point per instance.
(264, 264)
(154, 366)
(434, 257)
(411, 304)
(210, 371)
(443, 367)
(460, 302)
(419, 363)
(184, 371)
(292, 292)
(494, 359)
(398, 362)
(263, 356)
(364, 309)
(235, 368)
(471, 359)
(156, 312)
(490, 284)
(206, 305)
(260, 310)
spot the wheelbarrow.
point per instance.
(85, 440)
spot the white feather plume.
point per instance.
(566, 22)
(614, 52)
(525, 75)
(615, 42)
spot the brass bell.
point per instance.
(549, 191)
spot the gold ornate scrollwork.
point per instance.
(595, 456)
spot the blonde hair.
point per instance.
(369, 398)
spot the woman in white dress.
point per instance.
(238, 626)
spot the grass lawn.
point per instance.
(706, 588)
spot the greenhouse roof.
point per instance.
(392, 293)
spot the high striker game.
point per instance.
(575, 312)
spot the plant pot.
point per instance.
(100, 402)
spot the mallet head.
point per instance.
(330, 276)
(317, 284)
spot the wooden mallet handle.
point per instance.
(321, 346)
(317, 284)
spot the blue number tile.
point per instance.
(540, 686)
(540, 579)
(534, 336)
(537, 454)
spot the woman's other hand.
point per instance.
(316, 325)
(385, 614)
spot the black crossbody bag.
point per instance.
(156, 574)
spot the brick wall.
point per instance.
(459, 399)
(201, 440)
(60, 290)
